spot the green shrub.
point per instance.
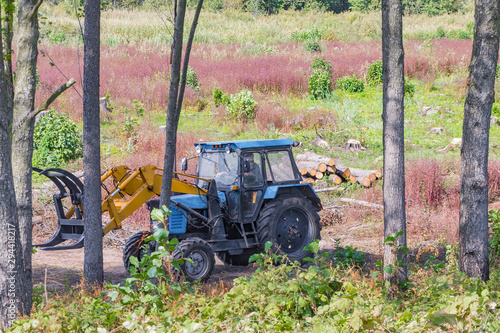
(409, 89)
(320, 81)
(374, 75)
(242, 105)
(138, 107)
(305, 35)
(351, 84)
(220, 98)
(312, 45)
(192, 79)
(56, 140)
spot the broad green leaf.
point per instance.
(161, 234)
(157, 215)
(388, 269)
(268, 246)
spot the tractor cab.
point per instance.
(244, 170)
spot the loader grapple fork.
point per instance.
(68, 228)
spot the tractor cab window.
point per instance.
(252, 175)
(221, 166)
(280, 166)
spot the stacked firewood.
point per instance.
(315, 167)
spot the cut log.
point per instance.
(336, 179)
(331, 162)
(362, 203)
(319, 175)
(353, 179)
(309, 180)
(365, 181)
(363, 177)
(342, 171)
(322, 167)
(330, 189)
(330, 170)
(312, 172)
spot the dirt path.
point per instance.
(64, 269)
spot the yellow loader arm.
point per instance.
(131, 188)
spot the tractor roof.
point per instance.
(245, 144)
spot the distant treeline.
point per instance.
(429, 7)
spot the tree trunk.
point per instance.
(22, 144)
(480, 95)
(93, 263)
(176, 95)
(393, 132)
(10, 249)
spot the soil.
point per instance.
(60, 270)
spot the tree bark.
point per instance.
(176, 95)
(393, 132)
(22, 143)
(480, 95)
(10, 249)
(93, 262)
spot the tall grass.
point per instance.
(131, 27)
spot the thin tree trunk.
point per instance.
(93, 262)
(393, 119)
(10, 249)
(480, 95)
(176, 95)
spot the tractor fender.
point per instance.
(305, 189)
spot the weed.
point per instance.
(374, 73)
(351, 84)
(242, 105)
(320, 81)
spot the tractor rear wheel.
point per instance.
(202, 255)
(290, 223)
(134, 247)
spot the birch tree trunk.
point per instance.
(480, 95)
(393, 132)
(10, 249)
(93, 262)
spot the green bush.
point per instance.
(305, 35)
(374, 75)
(312, 45)
(351, 84)
(56, 140)
(242, 105)
(320, 81)
(192, 79)
(409, 89)
(220, 98)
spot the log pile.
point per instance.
(314, 167)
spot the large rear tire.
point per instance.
(134, 247)
(202, 255)
(290, 223)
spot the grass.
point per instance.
(136, 27)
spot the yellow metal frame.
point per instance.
(133, 187)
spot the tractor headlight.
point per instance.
(199, 149)
(229, 150)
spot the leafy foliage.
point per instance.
(242, 105)
(494, 220)
(351, 84)
(374, 74)
(56, 140)
(220, 98)
(320, 81)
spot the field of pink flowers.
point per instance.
(141, 72)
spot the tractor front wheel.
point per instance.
(290, 223)
(134, 247)
(202, 255)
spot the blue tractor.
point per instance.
(251, 192)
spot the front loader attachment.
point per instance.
(70, 221)
(130, 189)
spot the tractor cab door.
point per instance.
(252, 185)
